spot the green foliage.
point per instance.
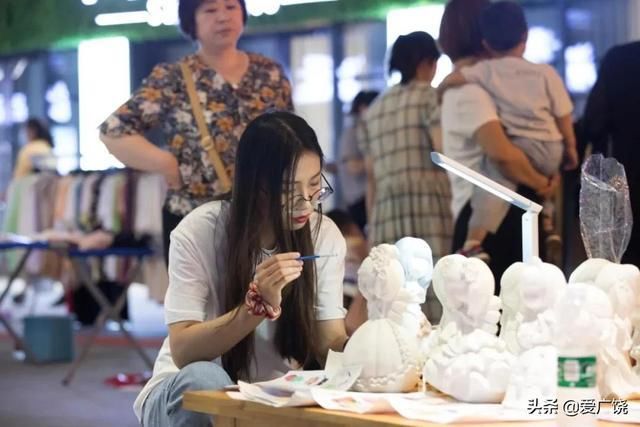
(27, 25)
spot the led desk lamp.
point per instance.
(530, 217)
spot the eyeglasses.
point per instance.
(318, 197)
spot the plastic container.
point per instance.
(577, 343)
(49, 338)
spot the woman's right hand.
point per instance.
(171, 172)
(276, 272)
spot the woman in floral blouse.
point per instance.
(233, 86)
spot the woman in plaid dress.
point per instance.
(407, 194)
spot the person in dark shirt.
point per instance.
(611, 123)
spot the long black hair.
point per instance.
(364, 98)
(409, 51)
(266, 161)
(39, 130)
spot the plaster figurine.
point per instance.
(464, 358)
(534, 376)
(380, 278)
(621, 284)
(417, 262)
(386, 345)
(473, 367)
(389, 356)
(528, 293)
(465, 289)
(588, 271)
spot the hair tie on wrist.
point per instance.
(257, 306)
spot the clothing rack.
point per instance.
(81, 202)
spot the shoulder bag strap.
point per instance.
(206, 140)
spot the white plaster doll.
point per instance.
(621, 284)
(534, 376)
(465, 289)
(417, 262)
(380, 278)
(472, 367)
(386, 350)
(529, 292)
(464, 358)
(588, 271)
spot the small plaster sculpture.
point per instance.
(393, 279)
(464, 358)
(528, 293)
(621, 284)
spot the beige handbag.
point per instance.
(206, 140)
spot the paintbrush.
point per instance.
(311, 257)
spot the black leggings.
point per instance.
(505, 246)
(358, 212)
(169, 222)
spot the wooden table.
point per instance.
(239, 413)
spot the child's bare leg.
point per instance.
(475, 237)
(548, 212)
(473, 245)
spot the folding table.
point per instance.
(79, 260)
(107, 309)
(13, 242)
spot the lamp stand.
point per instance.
(530, 244)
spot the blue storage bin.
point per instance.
(49, 338)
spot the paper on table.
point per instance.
(335, 362)
(339, 379)
(275, 397)
(293, 389)
(360, 403)
(292, 381)
(424, 409)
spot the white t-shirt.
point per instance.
(464, 110)
(196, 282)
(529, 96)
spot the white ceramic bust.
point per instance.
(588, 271)
(464, 358)
(621, 284)
(417, 262)
(465, 288)
(386, 349)
(380, 278)
(528, 293)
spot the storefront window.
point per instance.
(103, 81)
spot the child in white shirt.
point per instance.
(533, 105)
